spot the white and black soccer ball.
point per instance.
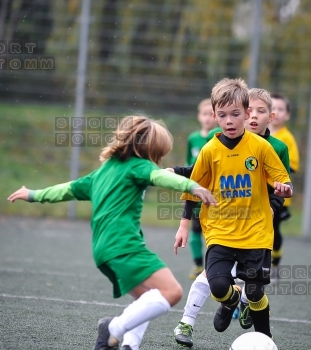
(253, 341)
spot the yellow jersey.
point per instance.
(238, 180)
(287, 137)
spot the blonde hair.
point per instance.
(261, 94)
(207, 101)
(230, 91)
(141, 137)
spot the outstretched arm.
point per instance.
(79, 189)
(166, 179)
(53, 194)
(22, 194)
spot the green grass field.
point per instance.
(51, 294)
(29, 157)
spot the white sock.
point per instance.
(233, 270)
(134, 337)
(199, 292)
(243, 296)
(148, 306)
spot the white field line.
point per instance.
(42, 272)
(82, 302)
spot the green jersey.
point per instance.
(116, 192)
(194, 144)
(211, 134)
(281, 150)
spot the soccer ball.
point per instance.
(253, 341)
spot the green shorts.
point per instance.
(128, 271)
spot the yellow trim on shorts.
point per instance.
(259, 305)
(225, 298)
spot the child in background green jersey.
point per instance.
(115, 190)
(196, 140)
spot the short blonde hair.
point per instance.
(229, 91)
(204, 102)
(141, 137)
(261, 94)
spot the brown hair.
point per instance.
(141, 137)
(279, 96)
(229, 91)
(261, 94)
(207, 101)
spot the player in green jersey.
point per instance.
(115, 189)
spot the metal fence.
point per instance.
(155, 56)
(161, 58)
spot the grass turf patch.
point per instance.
(30, 157)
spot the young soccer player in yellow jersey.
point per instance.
(260, 106)
(234, 165)
(196, 140)
(281, 109)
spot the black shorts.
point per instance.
(252, 264)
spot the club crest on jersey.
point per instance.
(251, 163)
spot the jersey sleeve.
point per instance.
(293, 155)
(82, 187)
(273, 166)
(284, 156)
(166, 179)
(188, 155)
(53, 194)
(141, 171)
(184, 170)
(201, 173)
(79, 189)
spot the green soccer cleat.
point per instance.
(183, 334)
(245, 319)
